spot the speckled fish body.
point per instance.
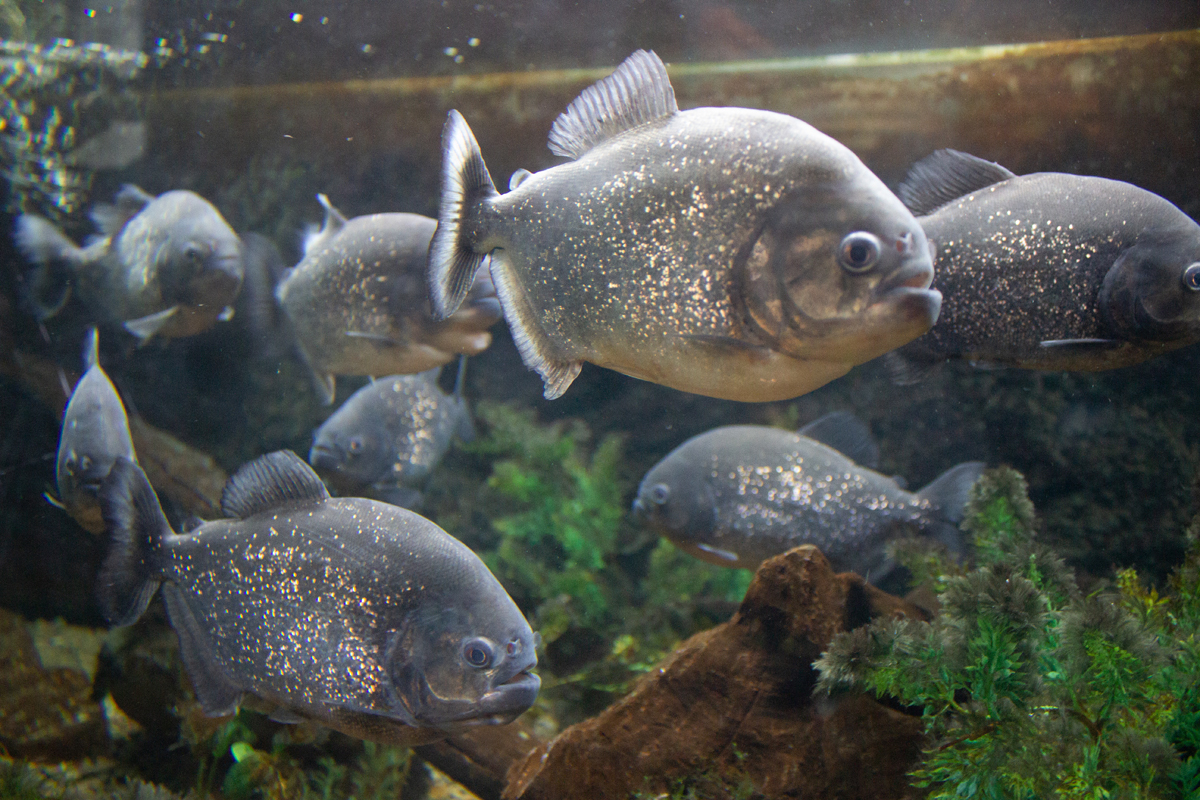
(166, 266)
(389, 436)
(739, 494)
(729, 252)
(357, 614)
(95, 433)
(1053, 271)
(359, 303)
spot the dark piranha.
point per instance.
(1051, 271)
(354, 613)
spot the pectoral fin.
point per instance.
(1081, 346)
(724, 555)
(729, 344)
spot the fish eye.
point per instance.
(859, 251)
(659, 493)
(478, 653)
(193, 253)
(1191, 277)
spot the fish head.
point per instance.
(200, 262)
(95, 432)
(464, 660)
(352, 450)
(1152, 291)
(840, 271)
(676, 500)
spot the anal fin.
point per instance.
(145, 327)
(217, 695)
(534, 346)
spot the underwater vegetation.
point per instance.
(551, 521)
(1030, 688)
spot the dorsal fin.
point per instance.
(847, 434)
(334, 222)
(637, 92)
(91, 349)
(944, 176)
(129, 202)
(268, 482)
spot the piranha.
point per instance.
(736, 495)
(390, 435)
(728, 252)
(95, 433)
(359, 303)
(356, 614)
(164, 266)
(1050, 271)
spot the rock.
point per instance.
(732, 709)
(46, 714)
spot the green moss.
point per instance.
(1031, 690)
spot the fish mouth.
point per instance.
(321, 457)
(910, 276)
(510, 699)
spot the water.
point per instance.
(260, 106)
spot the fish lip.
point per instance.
(322, 457)
(510, 699)
(916, 275)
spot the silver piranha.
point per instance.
(389, 436)
(1051, 271)
(739, 494)
(95, 433)
(359, 303)
(164, 266)
(728, 252)
(356, 614)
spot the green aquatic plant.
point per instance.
(285, 770)
(566, 510)
(608, 602)
(1030, 689)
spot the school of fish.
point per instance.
(729, 252)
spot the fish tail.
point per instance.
(136, 523)
(49, 249)
(466, 184)
(949, 493)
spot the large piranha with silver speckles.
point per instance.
(729, 252)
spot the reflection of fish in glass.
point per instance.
(95, 433)
(729, 252)
(736, 495)
(356, 614)
(165, 266)
(389, 436)
(1051, 271)
(359, 303)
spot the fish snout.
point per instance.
(639, 510)
(323, 458)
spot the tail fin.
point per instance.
(948, 493)
(137, 526)
(49, 249)
(43, 243)
(465, 182)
